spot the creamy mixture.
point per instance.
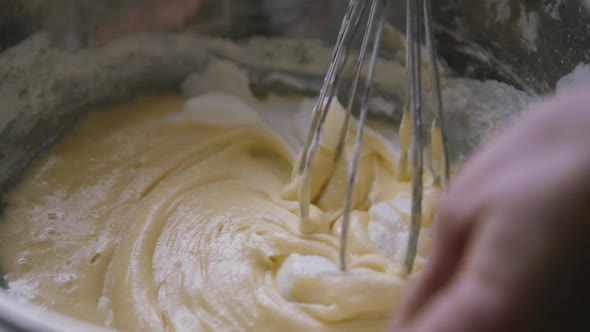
(168, 214)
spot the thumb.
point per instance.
(469, 304)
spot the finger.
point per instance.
(501, 250)
(523, 138)
(170, 15)
(156, 16)
(447, 252)
(493, 159)
(457, 216)
(530, 132)
(480, 180)
(455, 219)
(476, 298)
(470, 304)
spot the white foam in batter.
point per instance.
(387, 229)
(298, 266)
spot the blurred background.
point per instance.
(530, 44)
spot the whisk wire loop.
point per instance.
(413, 46)
(378, 31)
(416, 11)
(346, 36)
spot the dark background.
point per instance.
(477, 38)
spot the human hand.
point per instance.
(511, 250)
(153, 15)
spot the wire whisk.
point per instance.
(411, 126)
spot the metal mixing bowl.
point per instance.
(47, 83)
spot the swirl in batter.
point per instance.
(165, 214)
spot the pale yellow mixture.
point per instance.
(169, 215)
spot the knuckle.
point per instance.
(451, 211)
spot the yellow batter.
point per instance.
(165, 215)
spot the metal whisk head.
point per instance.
(375, 13)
